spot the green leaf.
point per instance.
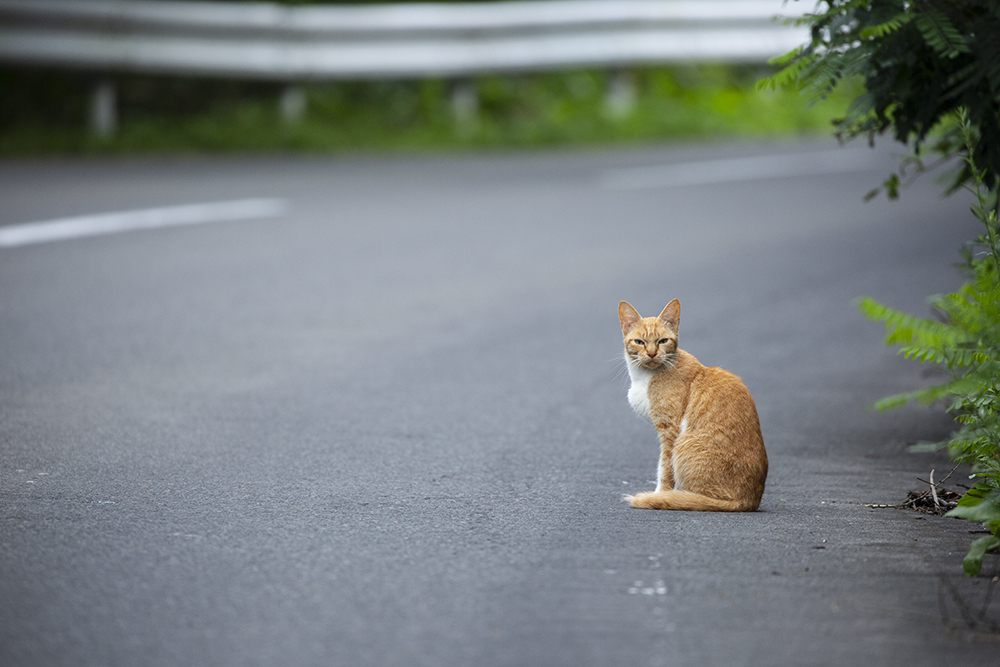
(924, 446)
(973, 561)
(892, 402)
(981, 504)
(787, 58)
(793, 64)
(940, 34)
(883, 29)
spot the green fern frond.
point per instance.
(904, 329)
(940, 34)
(794, 63)
(882, 29)
(787, 58)
(923, 355)
(893, 402)
(822, 75)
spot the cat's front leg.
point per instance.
(665, 472)
(668, 433)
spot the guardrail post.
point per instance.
(465, 106)
(104, 108)
(292, 103)
(620, 98)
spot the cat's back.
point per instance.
(721, 391)
(704, 396)
(720, 401)
(715, 382)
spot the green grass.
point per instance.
(45, 113)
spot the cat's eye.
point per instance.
(638, 341)
(663, 341)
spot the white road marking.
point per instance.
(149, 218)
(734, 170)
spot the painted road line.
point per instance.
(735, 170)
(149, 218)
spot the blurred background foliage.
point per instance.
(44, 112)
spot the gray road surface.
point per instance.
(389, 426)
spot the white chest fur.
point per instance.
(638, 393)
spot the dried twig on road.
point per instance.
(935, 500)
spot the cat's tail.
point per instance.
(674, 499)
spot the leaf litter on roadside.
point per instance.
(936, 499)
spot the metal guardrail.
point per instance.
(266, 41)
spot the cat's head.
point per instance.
(650, 342)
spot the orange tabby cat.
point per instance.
(711, 451)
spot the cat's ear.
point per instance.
(628, 316)
(671, 315)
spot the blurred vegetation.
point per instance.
(931, 78)
(44, 112)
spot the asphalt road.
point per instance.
(389, 427)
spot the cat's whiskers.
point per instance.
(670, 360)
(622, 373)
